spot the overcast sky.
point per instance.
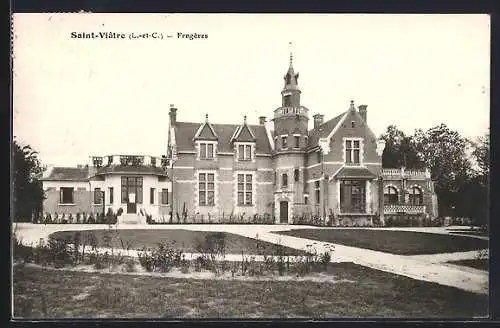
(74, 98)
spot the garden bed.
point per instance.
(361, 292)
(182, 239)
(396, 242)
(481, 264)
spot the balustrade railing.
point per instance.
(404, 208)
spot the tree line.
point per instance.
(459, 166)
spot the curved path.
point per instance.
(422, 267)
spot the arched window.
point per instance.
(390, 195)
(416, 196)
(284, 181)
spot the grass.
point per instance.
(396, 242)
(185, 239)
(42, 293)
(481, 264)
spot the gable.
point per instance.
(206, 133)
(353, 125)
(244, 135)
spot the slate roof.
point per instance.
(355, 172)
(68, 174)
(185, 132)
(322, 131)
(138, 169)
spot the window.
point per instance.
(353, 124)
(416, 196)
(111, 196)
(275, 179)
(244, 189)
(152, 195)
(97, 161)
(110, 160)
(97, 196)
(206, 189)
(153, 161)
(288, 101)
(66, 196)
(164, 196)
(352, 151)
(244, 152)
(318, 156)
(206, 150)
(297, 141)
(390, 195)
(352, 196)
(296, 175)
(131, 185)
(284, 142)
(306, 199)
(284, 180)
(317, 191)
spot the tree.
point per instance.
(28, 193)
(444, 153)
(400, 150)
(478, 185)
(481, 155)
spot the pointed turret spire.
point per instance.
(291, 79)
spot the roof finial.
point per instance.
(245, 119)
(291, 52)
(206, 117)
(352, 105)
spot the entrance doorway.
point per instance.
(131, 192)
(283, 212)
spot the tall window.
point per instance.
(288, 101)
(284, 180)
(352, 196)
(244, 152)
(317, 191)
(111, 195)
(416, 196)
(97, 196)
(352, 151)
(153, 161)
(296, 175)
(66, 196)
(297, 141)
(284, 143)
(206, 189)
(164, 196)
(152, 195)
(275, 178)
(244, 189)
(132, 185)
(390, 195)
(206, 150)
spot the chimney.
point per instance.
(173, 115)
(362, 112)
(262, 120)
(318, 120)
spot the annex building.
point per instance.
(279, 169)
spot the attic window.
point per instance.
(353, 124)
(244, 152)
(206, 151)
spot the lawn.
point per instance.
(185, 239)
(481, 264)
(396, 242)
(44, 293)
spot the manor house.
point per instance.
(279, 168)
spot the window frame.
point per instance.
(111, 195)
(206, 148)
(391, 198)
(62, 198)
(206, 190)
(296, 174)
(353, 206)
(296, 141)
(284, 180)
(350, 151)
(97, 199)
(284, 141)
(419, 197)
(244, 152)
(248, 179)
(317, 191)
(138, 184)
(164, 196)
(152, 192)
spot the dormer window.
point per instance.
(244, 152)
(206, 150)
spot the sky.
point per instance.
(74, 98)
